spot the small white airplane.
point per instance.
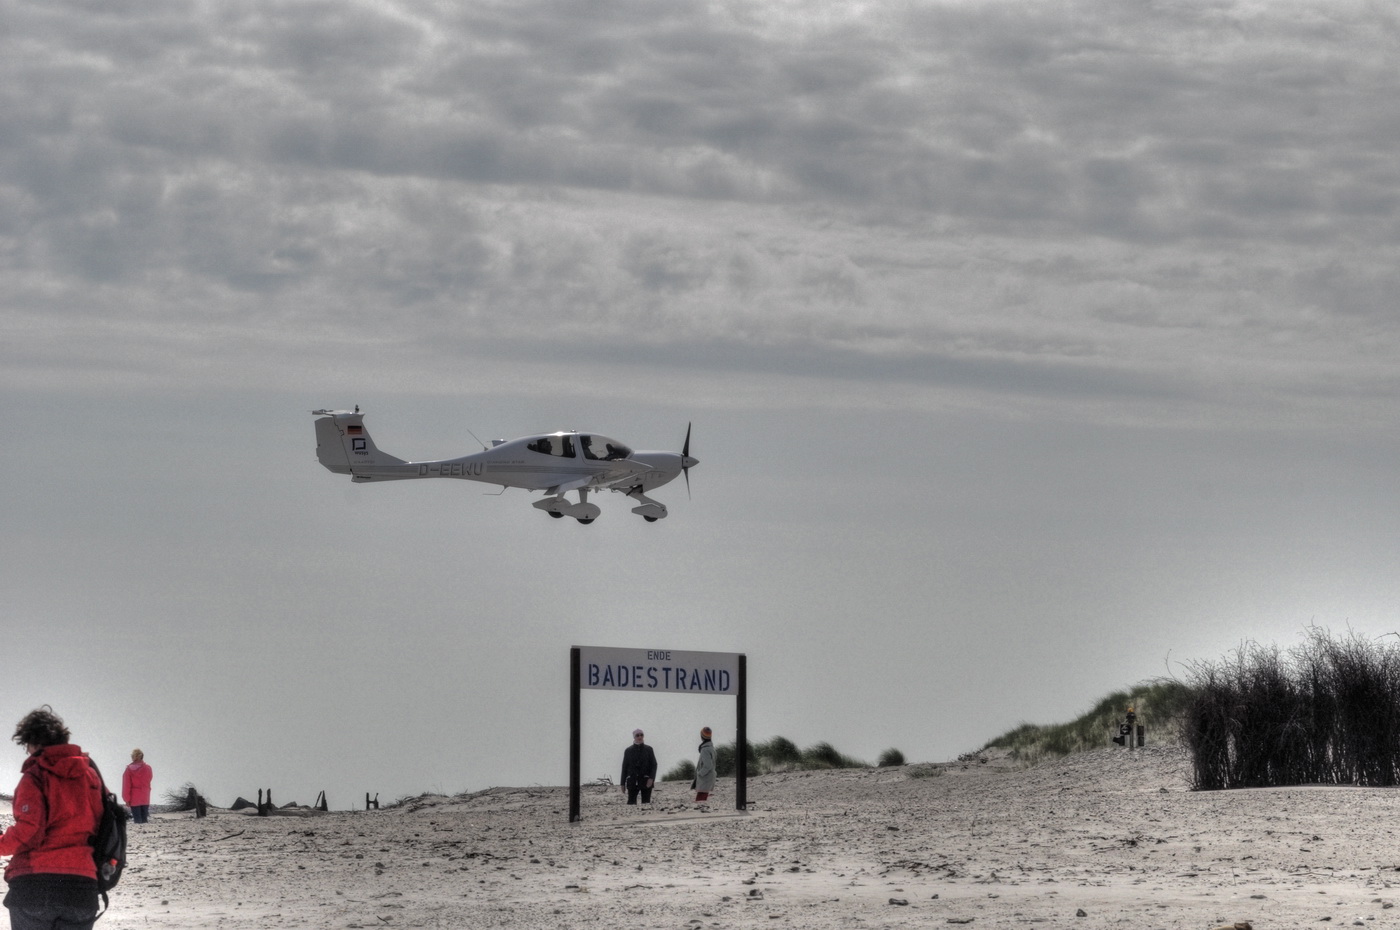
(555, 463)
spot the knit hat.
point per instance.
(705, 732)
(636, 732)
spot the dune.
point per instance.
(1102, 839)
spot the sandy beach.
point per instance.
(1102, 839)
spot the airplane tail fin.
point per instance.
(343, 444)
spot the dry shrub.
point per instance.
(178, 799)
(1327, 712)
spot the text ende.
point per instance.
(665, 677)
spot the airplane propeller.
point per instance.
(685, 460)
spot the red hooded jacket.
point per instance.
(136, 784)
(58, 803)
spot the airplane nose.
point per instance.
(688, 462)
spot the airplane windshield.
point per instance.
(603, 449)
(562, 446)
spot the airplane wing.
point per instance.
(582, 481)
(624, 483)
(638, 473)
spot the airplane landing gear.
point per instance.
(559, 506)
(648, 509)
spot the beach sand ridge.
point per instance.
(1109, 838)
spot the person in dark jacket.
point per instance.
(638, 769)
(51, 874)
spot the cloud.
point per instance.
(1169, 189)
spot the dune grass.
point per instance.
(1161, 706)
(891, 758)
(778, 754)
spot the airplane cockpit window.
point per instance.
(562, 446)
(603, 449)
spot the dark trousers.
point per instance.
(52, 917)
(635, 786)
(140, 813)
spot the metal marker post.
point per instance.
(574, 736)
(741, 734)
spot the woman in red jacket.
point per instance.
(52, 878)
(136, 787)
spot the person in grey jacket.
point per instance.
(705, 768)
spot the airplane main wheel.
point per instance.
(584, 520)
(651, 519)
(555, 514)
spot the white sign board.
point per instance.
(671, 670)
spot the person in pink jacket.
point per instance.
(136, 787)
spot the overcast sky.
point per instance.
(1032, 350)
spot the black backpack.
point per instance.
(109, 842)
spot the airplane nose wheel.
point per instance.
(586, 520)
(556, 514)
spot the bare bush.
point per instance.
(180, 799)
(1327, 712)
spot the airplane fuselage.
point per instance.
(512, 464)
(555, 463)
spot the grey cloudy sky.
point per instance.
(1032, 350)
